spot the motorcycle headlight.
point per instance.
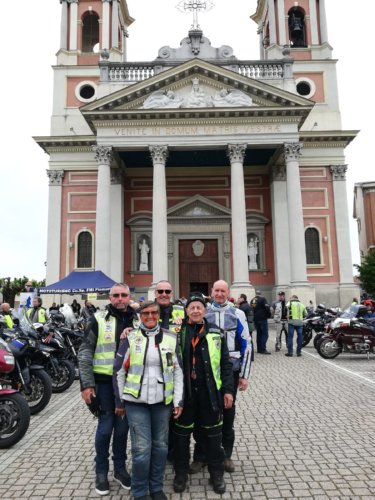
(32, 343)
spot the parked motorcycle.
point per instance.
(29, 378)
(351, 332)
(14, 410)
(314, 325)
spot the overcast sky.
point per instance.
(29, 46)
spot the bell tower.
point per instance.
(90, 30)
(298, 30)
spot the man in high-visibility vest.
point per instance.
(37, 314)
(171, 315)
(96, 358)
(209, 389)
(296, 313)
(7, 313)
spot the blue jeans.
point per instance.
(149, 427)
(262, 334)
(108, 424)
(291, 329)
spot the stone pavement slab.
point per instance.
(303, 430)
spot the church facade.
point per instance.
(198, 166)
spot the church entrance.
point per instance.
(198, 265)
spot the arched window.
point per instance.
(312, 242)
(297, 27)
(84, 252)
(90, 31)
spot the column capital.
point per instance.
(117, 176)
(55, 177)
(72, 1)
(278, 173)
(292, 151)
(236, 152)
(338, 172)
(103, 155)
(159, 154)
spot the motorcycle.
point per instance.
(14, 410)
(29, 378)
(351, 332)
(316, 322)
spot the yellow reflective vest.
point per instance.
(138, 345)
(41, 316)
(106, 344)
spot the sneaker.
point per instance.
(299, 354)
(289, 354)
(229, 465)
(196, 467)
(264, 352)
(159, 495)
(218, 483)
(101, 484)
(179, 483)
(123, 478)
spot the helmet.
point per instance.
(321, 307)
(6, 358)
(58, 318)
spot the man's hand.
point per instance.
(120, 412)
(243, 384)
(87, 393)
(125, 332)
(228, 401)
(177, 410)
(178, 320)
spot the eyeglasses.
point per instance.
(122, 295)
(150, 313)
(164, 291)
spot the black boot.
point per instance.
(218, 483)
(179, 482)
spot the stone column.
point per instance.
(272, 20)
(73, 25)
(117, 225)
(64, 25)
(159, 156)
(313, 22)
(105, 25)
(104, 156)
(283, 39)
(292, 152)
(115, 24)
(280, 228)
(323, 21)
(55, 178)
(347, 287)
(236, 153)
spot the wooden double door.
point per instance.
(198, 265)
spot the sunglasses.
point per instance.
(164, 291)
(122, 295)
(150, 313)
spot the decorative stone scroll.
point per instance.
(236, 152)
(55, 177)
(338, 172)
(103, 155)
(292, 151)
(159, 154)
(279, 173)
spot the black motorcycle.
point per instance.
(28, 377)
(315, 324)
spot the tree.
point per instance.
(367, 273)
(10, 288)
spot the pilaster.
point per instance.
(55, 179)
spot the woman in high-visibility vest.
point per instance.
(148, 381)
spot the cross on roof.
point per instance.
(195, 6)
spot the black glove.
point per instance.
(94, 406)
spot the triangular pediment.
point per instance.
(200, 88)
(198, 207)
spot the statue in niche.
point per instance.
(252, 252)
(233, 97)
(163, 99)
(144, 250)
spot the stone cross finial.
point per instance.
(194, 6)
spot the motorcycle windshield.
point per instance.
(24, 321)
(70, 317)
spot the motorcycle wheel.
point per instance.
(14, 419)
(40, 391)
(318, 337)
(307, 334)
(328, 349)
(64, 377)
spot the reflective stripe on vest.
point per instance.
(138, 348)
(214, 349)
(106, 345)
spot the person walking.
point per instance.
(208, 381)
(95, 358)
(148, 380)
(296, 313)
(262, 312)
(279, 317)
